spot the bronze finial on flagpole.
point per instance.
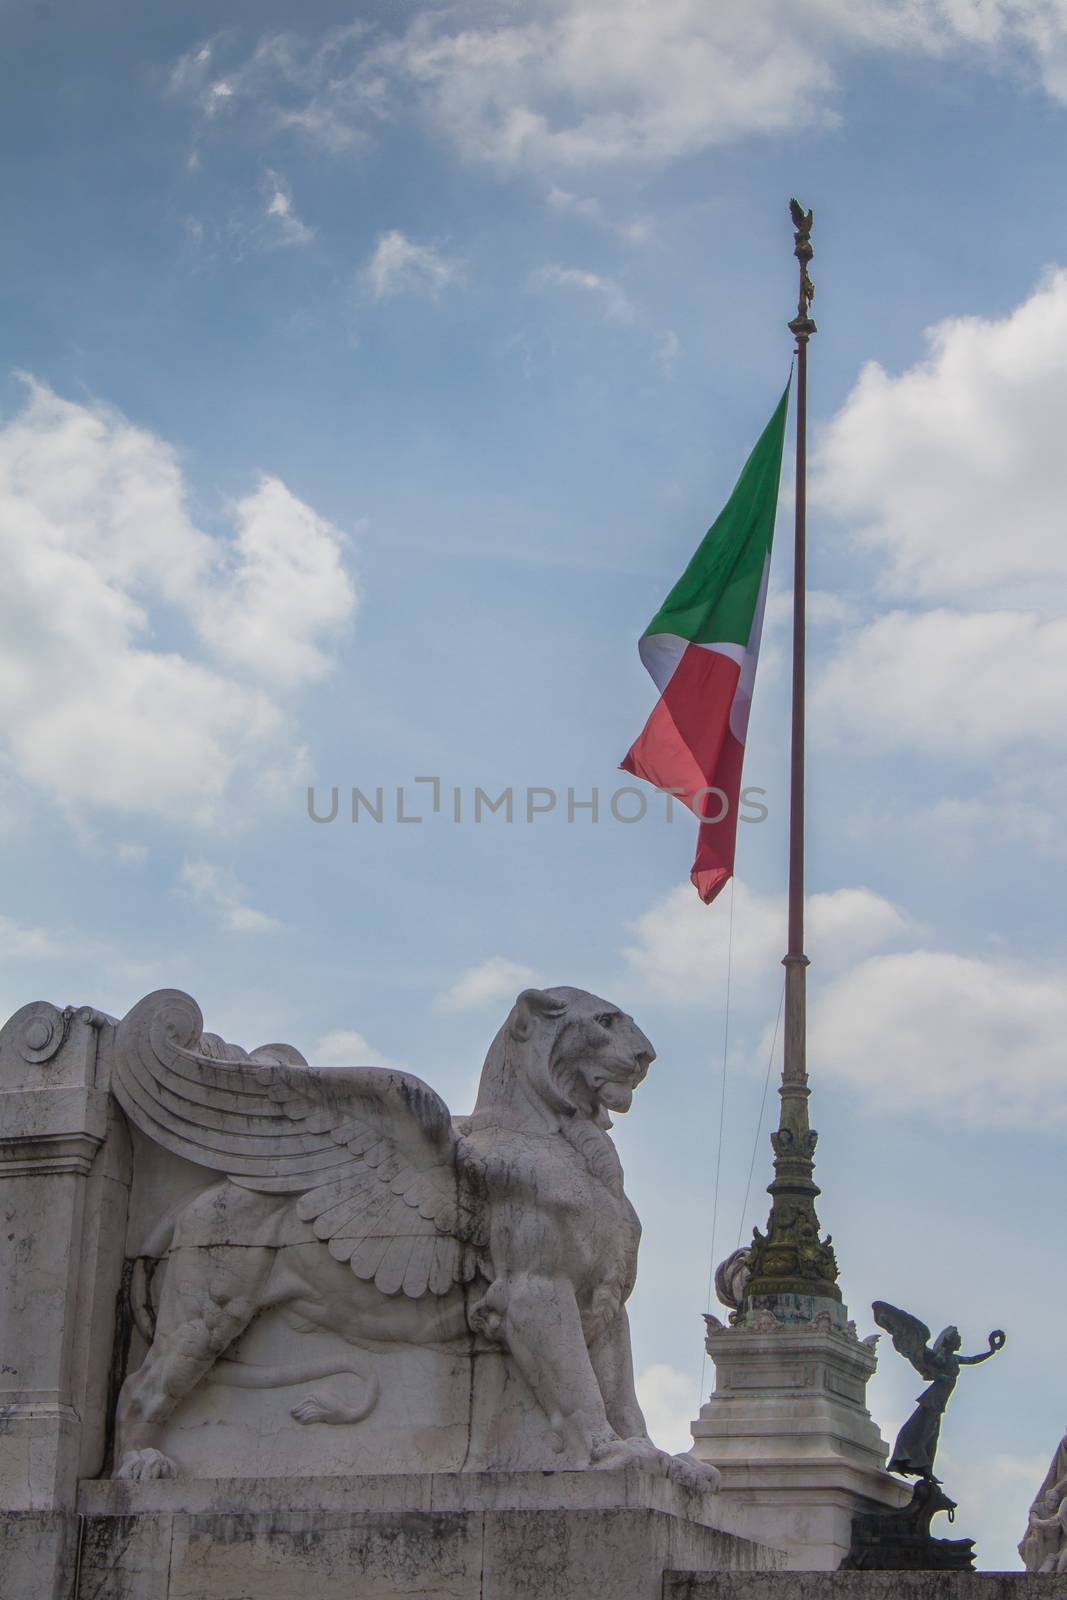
(789, 1266)
(802, 325)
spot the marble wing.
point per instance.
(370, 1153)
(911, 1338)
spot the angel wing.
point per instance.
(371, 1152)
(911, 1338)
(801, 219)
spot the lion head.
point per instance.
(568, 1052)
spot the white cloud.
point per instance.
(614, 304)
(668, 1399)
(668, 349)
(285, 594)
(575, 205)
(968, 1039)
(218, 890)
(269, 223)
(216, 94)
(581, 83)
(141, 660)
(492, 980)
(953, 473)
(1023, 809)
(826, 609)
(131, 854)
(285, 227)
(678, 943)
(588, 82)
(954, 470)
(588, 209)
(950, 684)
(400, 266)
(343, 1047)
(17, 942)
(323, 88)
(971, 1040)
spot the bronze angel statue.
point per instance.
(940, 1362)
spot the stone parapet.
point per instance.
(476, 1536)
(862, 1586)
(629, 1489)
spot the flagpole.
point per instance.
(796, 962)
(792, 1273)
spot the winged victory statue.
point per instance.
(939, 1362)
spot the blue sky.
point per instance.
(366, 386)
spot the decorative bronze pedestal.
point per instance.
(900, 1541)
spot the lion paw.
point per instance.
(622, 1453)
(693, 1474)
(142, 1465)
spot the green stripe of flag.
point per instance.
(714, 600)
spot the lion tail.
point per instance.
(252, 1375)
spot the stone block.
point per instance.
(486, 1536)
(38, 1556)
(862, 1586)
(124, 1558)
(330, 1555)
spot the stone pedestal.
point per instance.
(448, 1536)
(788, 1428)
(64, 1183)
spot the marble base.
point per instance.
(788, 1429)
(475, 1536)
(38, 1555)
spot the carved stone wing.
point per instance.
(371, 1152)
(911, 1338)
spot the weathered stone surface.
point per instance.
(38, 1555)
(330, 1555)
(560, 1555)
(631, 1489)
(474, 1536)
(124, 1558)
(862, 1586)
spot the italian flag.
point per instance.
(701, 649)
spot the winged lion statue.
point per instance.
(509, 1226)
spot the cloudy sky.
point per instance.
(365, 386)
